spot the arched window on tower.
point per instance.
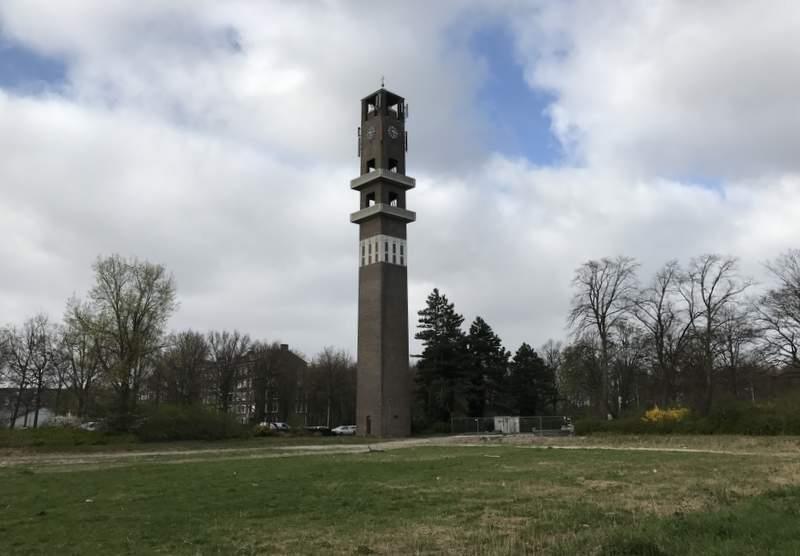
(394, 199)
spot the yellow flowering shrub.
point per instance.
(658, 415)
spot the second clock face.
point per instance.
(393, 133)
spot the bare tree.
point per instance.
(30, 356)
(3, 356)
(710, 285)
(81, 351)
(184, 366)
(269, 379)
(228, 351)
(654, 308)
(605, 289)
(779, 311)
(20, 345)
(553, 355)
(551, 352)
(579, 372)
(43, 364)
(128, 310)
(333, 377)
(737, 335)
(627, 357)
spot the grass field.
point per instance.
(446, 498)
(55, 440)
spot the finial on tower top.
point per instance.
(382, 82)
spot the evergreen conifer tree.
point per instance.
(440, 370)
(532, 383)
(487, 366)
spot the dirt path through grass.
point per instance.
(741, 446)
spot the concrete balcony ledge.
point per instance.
(381, 174)
(382, 208)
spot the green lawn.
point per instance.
(64, 440)
(457, 500)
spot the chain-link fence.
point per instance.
(552, 425)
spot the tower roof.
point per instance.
(382, 90)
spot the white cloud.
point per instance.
(230, 164)
(685, 89)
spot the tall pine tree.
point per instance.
(440, 370)
(487, 366)
(532, 383)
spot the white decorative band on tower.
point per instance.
(382, 249)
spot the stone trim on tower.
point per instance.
(381, 248)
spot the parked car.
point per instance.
(278, 426)
(345, 430)
(92, 426)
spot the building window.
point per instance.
(370, 199)
(394, 247)
(300, 404)
(394, 199)
(401, 249)
(386, 257)
(394, 259)
(401, 261)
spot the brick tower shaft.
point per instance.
(384, 385)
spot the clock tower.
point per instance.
(384, 383)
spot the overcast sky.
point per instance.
(219, 138)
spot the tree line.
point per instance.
(690, 335)
(469, 373)
(111, 353)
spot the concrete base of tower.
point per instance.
(395, 426)
(383, 406)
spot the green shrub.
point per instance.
(424, 427)
(169, 422)
(265, 430)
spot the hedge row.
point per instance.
(188, 423)
(58, 438)
(779, 418)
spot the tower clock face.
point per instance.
(393, 133)
(370, 133)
